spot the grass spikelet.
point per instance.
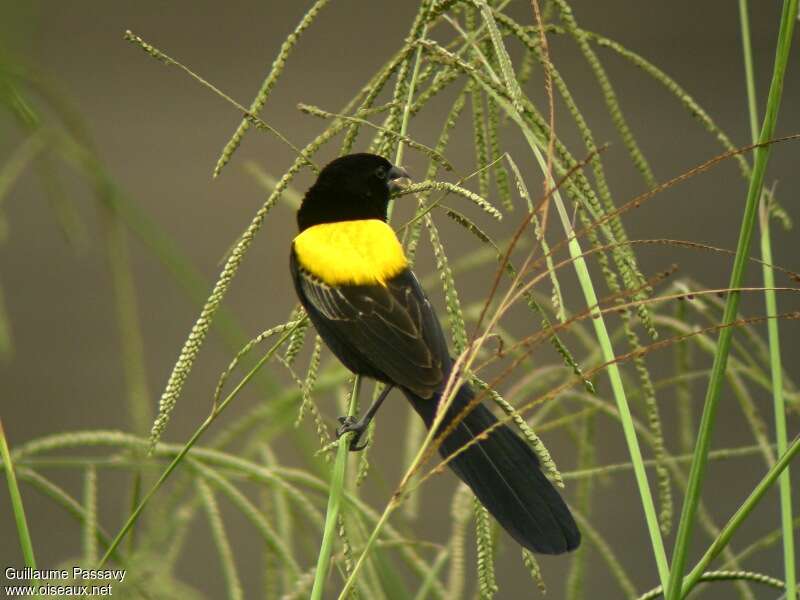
(397, 119)
(452, 188)
(777, 212)
(470, 226)
(530, 562)
(370, 94)
(624, 258)
(255, 120)
(487, 583)
(535, 143)
(221, 541)
(609, 94)
(411, 235)
(522, 189)
(506, 68)
(248, 347)
(461, 513)
(527, 431)
(277, 510)
(311, 378)
(691, 105)
(654, 421)
(390, 133)
(266, 87)
(90, 512)
(256, 519)
(298, 337)
(363, 460)
(191, 348)
(480, 139)
(495, 153)
(458, 330)
(327, 445)
(347, 552)
(726, 576)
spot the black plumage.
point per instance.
(391, 333)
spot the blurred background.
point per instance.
(159, 135)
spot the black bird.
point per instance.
(352, 277)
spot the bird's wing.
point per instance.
(392, 329)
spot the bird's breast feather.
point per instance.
(360, 252)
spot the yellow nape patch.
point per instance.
(351, 252)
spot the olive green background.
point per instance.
(160, 133)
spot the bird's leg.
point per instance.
(360, 426)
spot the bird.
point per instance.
(354, 281)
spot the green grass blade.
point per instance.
(697, 473)
(334, 502)
(790, 564)
(739, 517)
(16, 502)
(618, 389)
(773, 335)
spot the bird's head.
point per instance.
(352, 187)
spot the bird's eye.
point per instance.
(381, 172)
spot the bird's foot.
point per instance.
(348, 424)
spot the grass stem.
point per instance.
(738, 518)
(773, 335)
(334, 501)
(697, 472)
(16, 502)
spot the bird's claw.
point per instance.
(348, 424)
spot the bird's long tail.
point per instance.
(505, 475)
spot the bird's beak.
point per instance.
(395, 175)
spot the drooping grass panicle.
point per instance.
(610, 96)
(275, 72)
(258, 122)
